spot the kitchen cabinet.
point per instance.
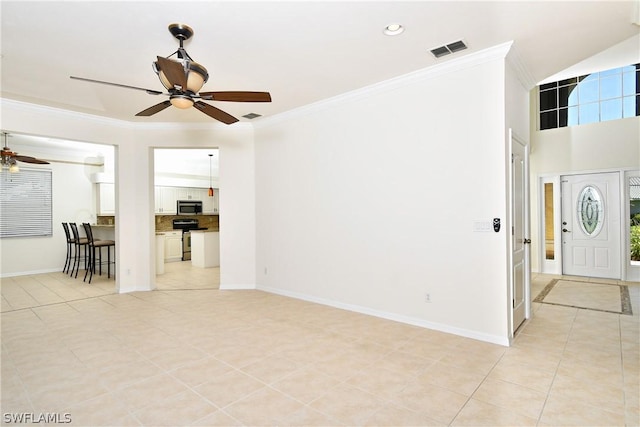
(207, 204)
(172, 246)
(106, 198)
(184, 193)
(201, 194)
(166, 198)
(210, 204)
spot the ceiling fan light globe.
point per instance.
(181, 101)
(197, 76)
(194, 82)
(14, 168)
(164, 80)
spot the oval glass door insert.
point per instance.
(590, 211)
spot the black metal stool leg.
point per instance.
(108, 262)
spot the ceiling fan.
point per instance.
(10, 158)
(183, 78)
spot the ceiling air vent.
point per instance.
(449, 48)
(251, 116)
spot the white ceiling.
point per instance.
(300, 51)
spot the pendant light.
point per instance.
(210, 179)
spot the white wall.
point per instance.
(517, 83)
(134, 144)
(368, 201)
(237, 201)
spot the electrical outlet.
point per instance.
(427, 297)
(265, 271)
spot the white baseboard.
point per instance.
(27, 273)
(237, 287)
(504, 341)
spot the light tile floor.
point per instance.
(207, 357)
(181, 275)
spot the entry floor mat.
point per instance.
(605, 297)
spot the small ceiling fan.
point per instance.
(183, 78)
(10, 158)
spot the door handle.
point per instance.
(527, 241)
(566, 231)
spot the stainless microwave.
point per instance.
(189, 207)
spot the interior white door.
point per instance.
(520, 271)
(591, 225)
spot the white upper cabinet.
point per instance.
(166, 198)
(106, 198)
(207, 203)
(210, 204)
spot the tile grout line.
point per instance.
(555, 373)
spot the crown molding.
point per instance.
(496, 52)
(522, 72)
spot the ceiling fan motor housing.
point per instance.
(196, 74)
(181, 32)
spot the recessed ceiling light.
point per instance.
(393, 29)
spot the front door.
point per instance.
(591, 225)
(519, 210)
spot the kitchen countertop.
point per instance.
(204, 231)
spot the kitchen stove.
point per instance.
(186, 225)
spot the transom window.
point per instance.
(597, 97)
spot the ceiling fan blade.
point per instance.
(215, 113)
(29, 159)
(155, 109)
(237, 96)
(173, 71)
(149, 91)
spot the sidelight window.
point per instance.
(634, 223)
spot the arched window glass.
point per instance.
(597, 97)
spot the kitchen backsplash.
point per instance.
(165, 222)
(105, 220)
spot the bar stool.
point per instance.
(78, 243)
(93, 245)
(70, 244)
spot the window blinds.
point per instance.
(25, 203)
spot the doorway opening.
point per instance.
(187, 240)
